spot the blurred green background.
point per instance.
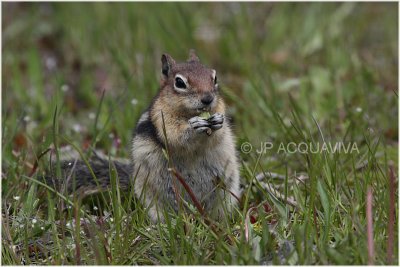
(282, 68)
(333, 59)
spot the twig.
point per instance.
(277, 176)
(189, 190)
(271, 175)
(392, 202)
(234, 195)
(277, 194)
(246, 224)
(197, 204)
(222, 186)
(36, 164)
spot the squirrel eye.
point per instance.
(179, 83)
(215, 80)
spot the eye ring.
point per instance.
(179, 83)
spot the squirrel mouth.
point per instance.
(205, 109)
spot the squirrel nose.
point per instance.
(207, 99)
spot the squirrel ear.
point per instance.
(193, 56)
(167, 61)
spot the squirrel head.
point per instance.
(192, 86)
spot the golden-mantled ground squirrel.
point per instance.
(201, 149)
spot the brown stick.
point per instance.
(197, 204)
(370, 231)
(392, 202)
(246, 223)
(36, 164)
(189, 190)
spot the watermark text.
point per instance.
(302, 147)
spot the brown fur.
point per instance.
(202, 159)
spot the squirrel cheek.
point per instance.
(189, 102)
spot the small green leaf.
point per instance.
(205, 115)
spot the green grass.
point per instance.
(304, 72)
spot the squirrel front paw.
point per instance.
(209, 125)
(199, 124)
(216, 121)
